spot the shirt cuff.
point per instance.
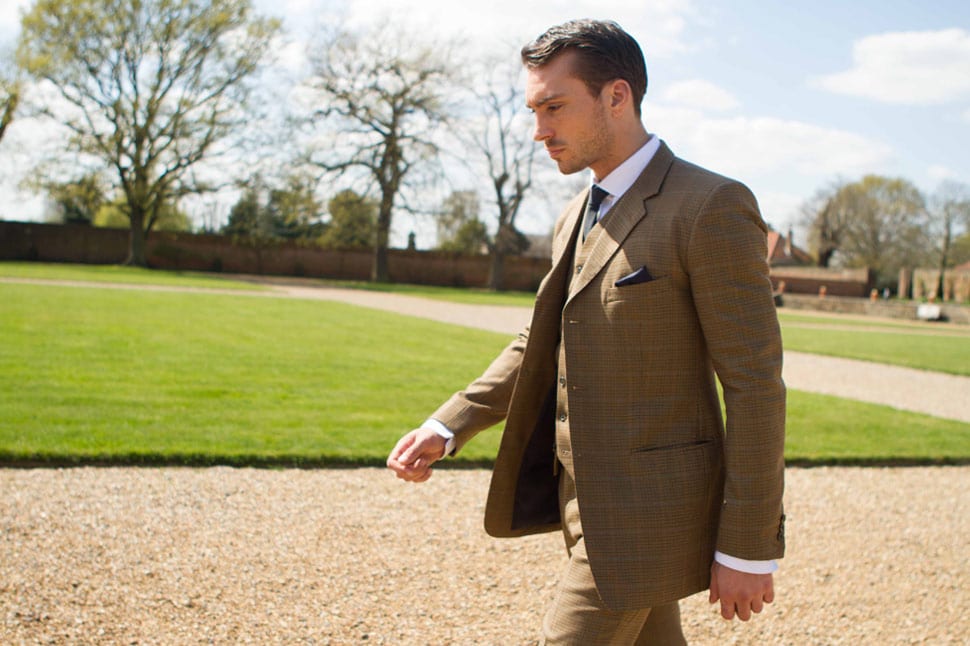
(443, 431)
(743, 565)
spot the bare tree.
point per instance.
(949, 215)
(148, 89)
(382, 97)
(502, 135)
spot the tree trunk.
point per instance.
(137, 253)
(944, 256)
(496, 271)
(825, 257)
(941, 284)
(379, 270)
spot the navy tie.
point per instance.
(596, 195)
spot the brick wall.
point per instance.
(216, 253)
(203, 252)
(810, 280)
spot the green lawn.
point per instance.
(139, 276)
(914, 345)
(906, 343)
(124, 275)
(161, 377)
(101, 374)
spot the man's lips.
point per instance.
(555, 152)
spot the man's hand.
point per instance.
(740, 593)
(414, 454)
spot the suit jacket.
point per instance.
(620, 360)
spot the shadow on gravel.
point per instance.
(8, 461)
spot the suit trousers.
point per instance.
(579, 617)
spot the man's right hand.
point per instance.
(414, 454)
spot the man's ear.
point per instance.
(620, 94)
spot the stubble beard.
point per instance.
(591, 148)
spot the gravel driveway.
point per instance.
(353, 556)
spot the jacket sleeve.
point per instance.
(727, 260)
(485, 401)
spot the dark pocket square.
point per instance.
(639, 276)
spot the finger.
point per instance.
(769, 595)
(714, 595)
(402, 445)
(756, 605)
(420, 475)
(412, 475)
(423, 478)
(411, 453)
(743, 611)
(397, 467)
(727, 610)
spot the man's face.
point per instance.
(570, 122)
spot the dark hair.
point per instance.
(604, 53)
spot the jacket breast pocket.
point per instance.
(652, 289)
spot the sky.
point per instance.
(787, 97)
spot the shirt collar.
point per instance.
(623, 176)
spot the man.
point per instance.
(613, 426)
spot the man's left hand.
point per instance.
(740, 593)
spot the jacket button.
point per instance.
(562, 418)
(562, 382)
(579, 268)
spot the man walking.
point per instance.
(614, 433)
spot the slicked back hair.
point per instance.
(604, 53)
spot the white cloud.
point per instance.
(658, 26)
(10, 11)
(700, 94)
(744, 147)
(18, 156)
(780, 209)
(938, 173)
(910, 68)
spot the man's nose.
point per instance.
(541, 132)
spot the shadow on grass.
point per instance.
(10, 461)
(39, 461)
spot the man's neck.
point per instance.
(627, 141)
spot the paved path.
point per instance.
(921, 391)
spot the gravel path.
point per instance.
(226, 556)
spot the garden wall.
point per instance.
(811, 280)
(878, 307)
(216, 253)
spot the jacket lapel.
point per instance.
(623, 217)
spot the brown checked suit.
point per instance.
(614, 382)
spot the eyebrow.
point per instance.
(544, 100)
